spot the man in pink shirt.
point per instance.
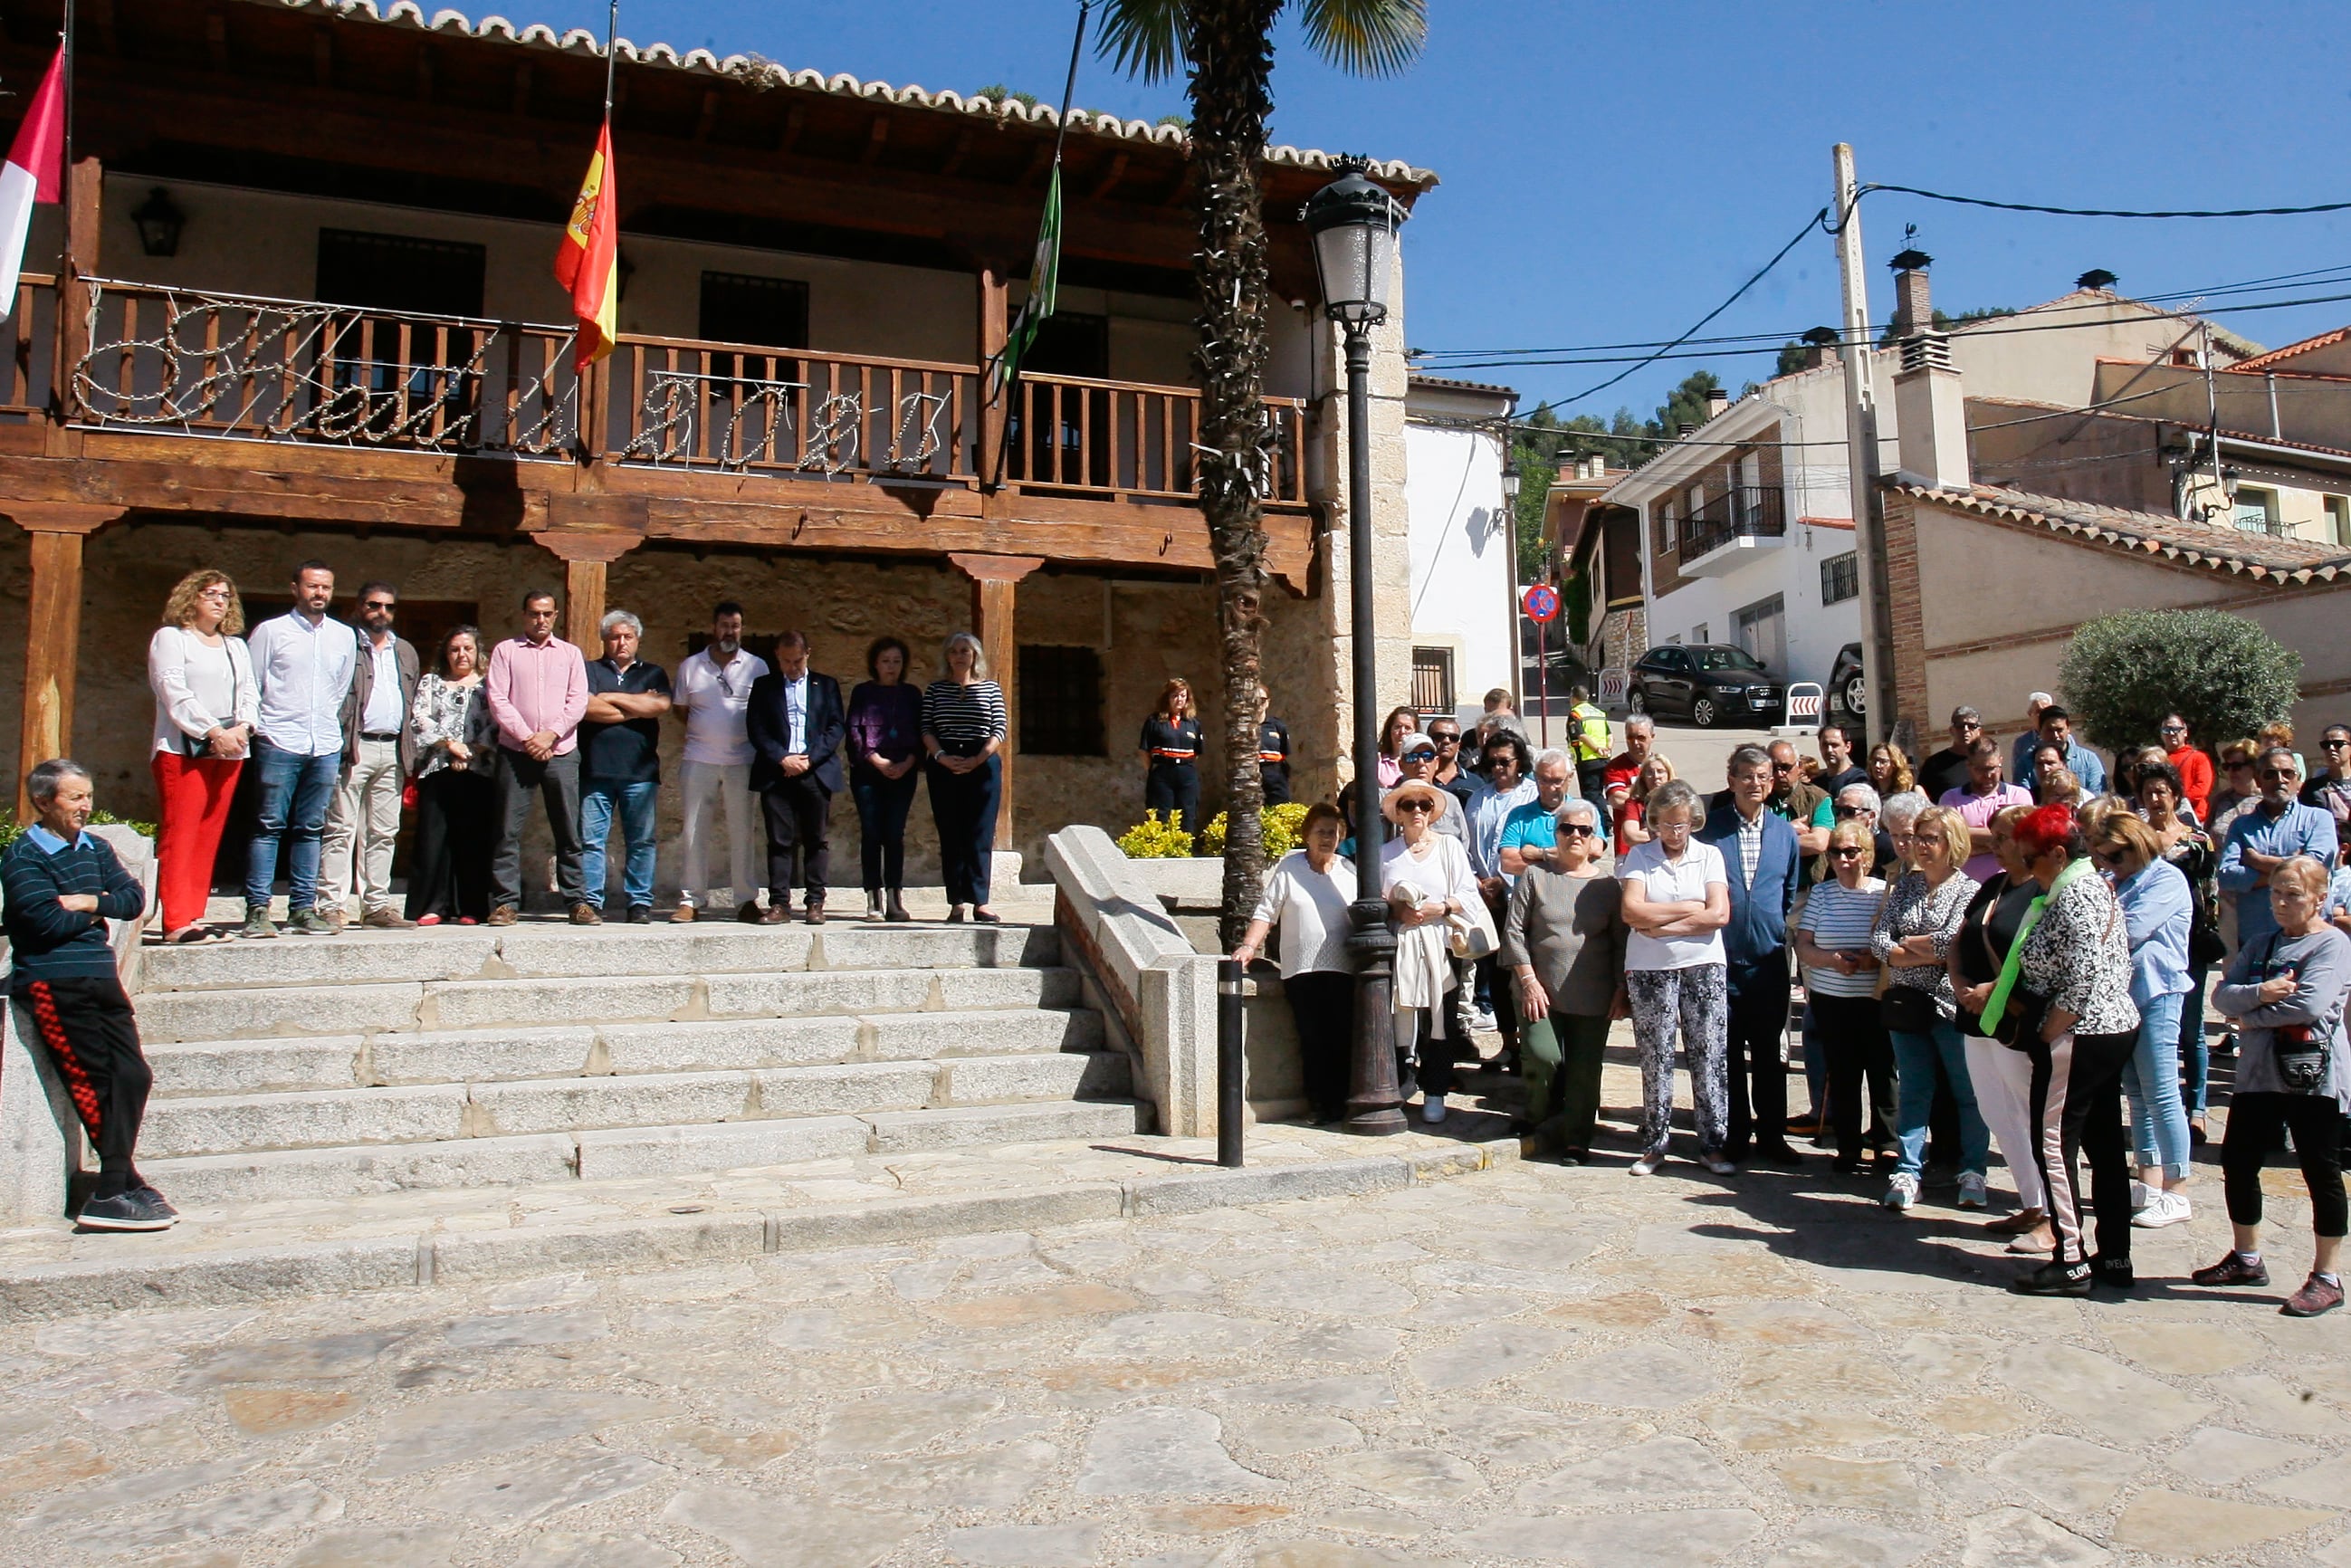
(1979, 800)
(537, 692)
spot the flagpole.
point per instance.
(65, 194)
(612, 60)
(1060, 135)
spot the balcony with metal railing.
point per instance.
(1730, 528)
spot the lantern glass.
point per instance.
(1354, 223)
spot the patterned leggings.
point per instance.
(1698, 1000)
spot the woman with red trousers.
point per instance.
(205, 707)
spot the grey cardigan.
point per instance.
(2322, 964)
(1571, 930)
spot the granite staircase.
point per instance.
(381, 1062)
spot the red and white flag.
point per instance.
(35, 172)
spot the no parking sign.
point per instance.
(1540, 604)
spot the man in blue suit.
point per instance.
(1760, 851)
(795, 722)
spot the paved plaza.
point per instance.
(1531, 1362)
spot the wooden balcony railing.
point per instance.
(32, 368)
(186, 362)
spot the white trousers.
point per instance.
(706, 786)
(2003, 1084)
(363, 820)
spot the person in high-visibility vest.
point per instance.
(1592, 747)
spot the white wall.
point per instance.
(1460, 550)
(1815, 633)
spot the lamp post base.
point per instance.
(1375, 1102)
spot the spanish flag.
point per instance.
(34, 172)
(588, 261)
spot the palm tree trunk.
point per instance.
(1231, 58)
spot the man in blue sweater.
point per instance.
(60, 887)
(1761, 852)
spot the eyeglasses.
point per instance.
(1575, 831)
(1845, 853)
(1445, 739)
(1966, 726)
(1420, 755)
(1417, 803)
(1853, 811)
(2287, 774)
(2173, 729)
(2112, 857)
(2335, 742)
(377, 604)
(1783, 767)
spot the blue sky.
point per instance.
(1611, 172)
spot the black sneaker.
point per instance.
(1778, 1153)
(124, 1211)
(641, 915)
(2054, 1278)
(155, 1200)
(2113, 1273)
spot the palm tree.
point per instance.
(1225, 47)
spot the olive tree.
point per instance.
(2221, 673)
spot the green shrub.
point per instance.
(1280, 825)
(2221, 673)
(11, 830)
(1156, 839)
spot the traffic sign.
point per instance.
(1540, 604)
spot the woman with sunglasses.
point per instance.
(1427, 878)
(2289, 990)
(1677, 902)
(1564, 938)
(1912, 939)
(2157, 907)
(2161, 804)
(1841, 983)
(2069, 979)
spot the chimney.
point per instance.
(1820, 344)
(1930, 414)
(1913, 312)
(1687, 429)
(1716, 399)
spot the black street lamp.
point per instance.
(1354, 224)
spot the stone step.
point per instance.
(432, 1006)
(211, 1180)
(362, 958)
(190, 1124)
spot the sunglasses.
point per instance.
(2335, 742)
(1445, 739)
(2112, 857)
(2285, 773)
(1416, 805)
(1845, 853)
(1853, 811)
(1575, 831)
(1420, 755)
(377, 604)
(2173, 729)
(1783, 767)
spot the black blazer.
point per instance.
(770, 726)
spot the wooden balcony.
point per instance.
(165, 361)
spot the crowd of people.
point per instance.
(343, 725)
(1981, 965)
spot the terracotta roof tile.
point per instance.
(2264, 362)
(767, 74)
(2196, 543)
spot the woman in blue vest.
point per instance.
(1171, 752)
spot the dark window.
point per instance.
(1061, 700)
(1840, 578)
(394, 272)
(1071, 343)
(1068, 441)
(1432, 680)
(767, 312)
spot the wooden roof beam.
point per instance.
(1110, 179)
(216, 39)
(708, 119)
(874, 139)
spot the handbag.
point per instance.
(2015, 1015)
(1470, 933)
(2299, 1050)
(1907, 1010)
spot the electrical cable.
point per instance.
(2103, 212)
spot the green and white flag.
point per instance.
(1044, 283)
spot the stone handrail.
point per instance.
(41, 1146)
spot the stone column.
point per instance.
(994, 579)
(585, 553)
(52, 627)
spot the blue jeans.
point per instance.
(294, 792)
(2151, 1079)
(634, 803)
(1914, 1063)
(2195, 1048)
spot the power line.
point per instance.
(2107, 211)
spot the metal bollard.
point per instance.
(1230, 1062)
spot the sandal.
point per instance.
(193, 932)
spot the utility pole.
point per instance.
(1861, 457)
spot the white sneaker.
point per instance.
(1718, 1165)
(1971, 1190)
(2162, 1209)
(1901, 1192)
(1646, 1165)
(1484, 1022)
(1432, 1108)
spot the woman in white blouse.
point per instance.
(456, 787)
(1426, 877)
(205, 707)
(1307, 897)
(1677, 902)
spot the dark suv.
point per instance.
(1708, 684)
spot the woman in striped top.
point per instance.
(1841, 969)
(963, 730)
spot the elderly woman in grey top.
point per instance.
(2288, 993)
(1563, 939)
(2074, 963)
